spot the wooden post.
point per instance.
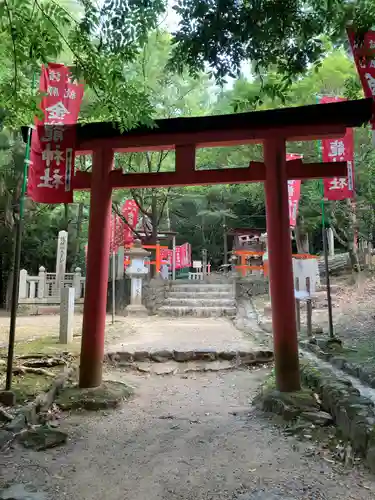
(157, 258)
(309, 309)
(94, 313)
(280, 267)
(298, 308)
(243, 264)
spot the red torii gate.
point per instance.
(273, 128)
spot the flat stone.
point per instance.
(168, 368)
(217, 366)
(19, 492)
(161, 356)
(125, 356)
(205, 355)
(141, 356)
(317, 417)
(227, 355)
(211, 366)
(143, 367)
(42, 438)
(182, 356)
(109, 395)
(7, 398)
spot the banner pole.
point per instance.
(113, 286)
(17, 258)
(325, 252)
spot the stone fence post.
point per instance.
(22, 294)
(42, 282)
(77, 282)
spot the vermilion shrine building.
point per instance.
(273, 128)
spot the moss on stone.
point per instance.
(109, 395)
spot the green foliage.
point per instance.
(284, 36)
(98, 41)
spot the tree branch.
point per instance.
(123, 218)
(141, 209)
(163, 206)
(162, 157)
(14, 45)
(338, 237)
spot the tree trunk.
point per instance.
(225, 241)
(154, 227)
(78, 237)
(302, 239)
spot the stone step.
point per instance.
(199, 294)
(201, 288)
(199, 312)
(200, 302)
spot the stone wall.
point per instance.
(154, 294)
(353, 413)
(251, 286)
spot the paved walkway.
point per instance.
(151, 333)
(154, 333)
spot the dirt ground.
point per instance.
(184, 438)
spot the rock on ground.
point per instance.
(184, 437)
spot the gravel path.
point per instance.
(184, 438)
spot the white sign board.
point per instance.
(306, 268)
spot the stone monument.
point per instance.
(136, 271)
(67, 296)
(62, 249)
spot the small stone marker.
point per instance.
(66, 315)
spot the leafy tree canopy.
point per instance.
(286, 35)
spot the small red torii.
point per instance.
(272, 128)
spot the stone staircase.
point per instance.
(199, 300)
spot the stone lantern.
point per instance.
(136, 271)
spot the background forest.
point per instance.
(154, 79)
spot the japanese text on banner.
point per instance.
(365, 62)
(339, 188)
(294, 193)
(53, 141)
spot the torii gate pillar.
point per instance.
(94, 312)
(280, 267)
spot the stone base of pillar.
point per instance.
(136, 311)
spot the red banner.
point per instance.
(365, 63)
(130, 211)
(166, 256)
(117, 232)
(183, 256)
(294, 193)
(339, 188)
(52, 144)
